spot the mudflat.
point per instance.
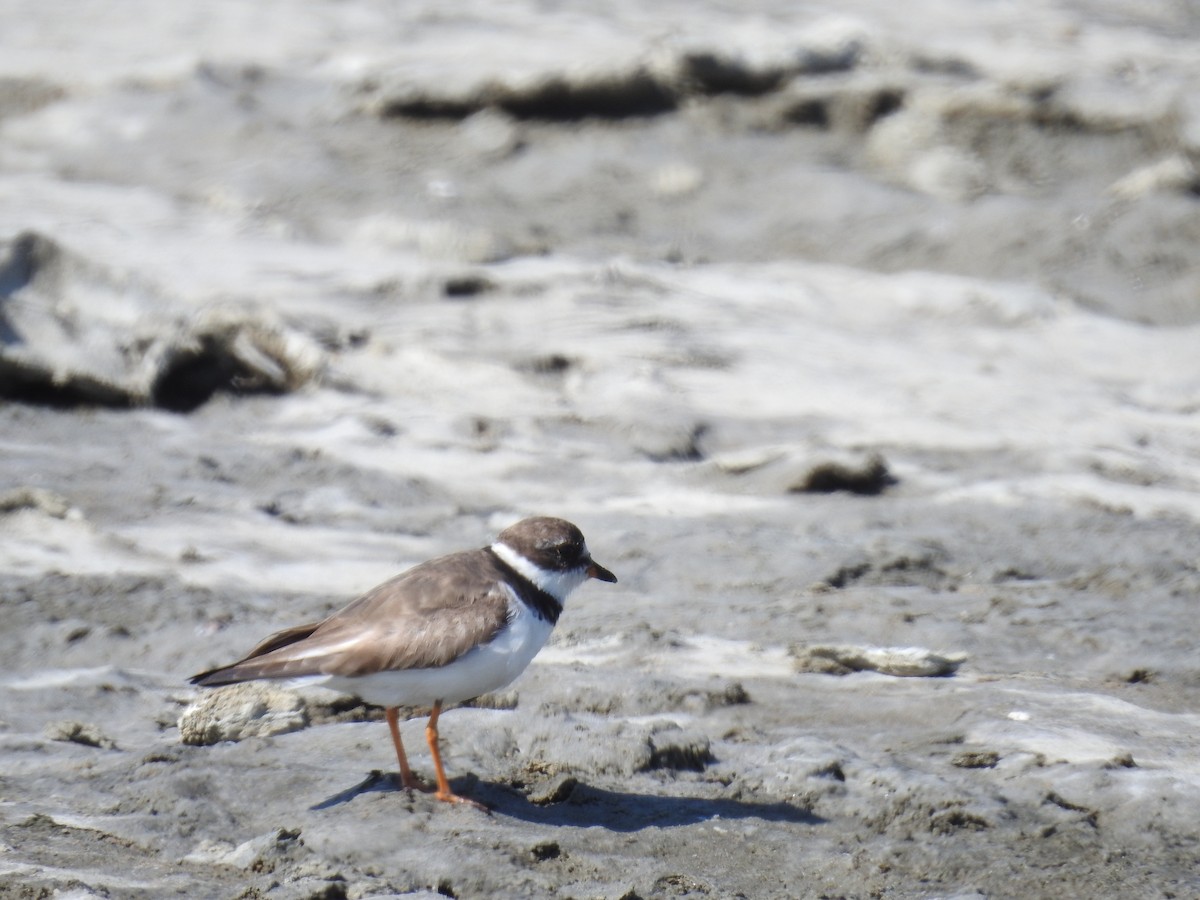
(860, 344)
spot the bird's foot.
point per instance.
(415, 784)
(448, 797)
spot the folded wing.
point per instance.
(425, 618)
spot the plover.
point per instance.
(444, 631)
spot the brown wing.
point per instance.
(425, 618)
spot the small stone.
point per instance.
(554, 790)
(976, 759)
(78, 733)
(1123, 761)
(904, 662)
(868, 476)
(54, 505)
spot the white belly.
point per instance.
(486, 668)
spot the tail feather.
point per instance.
(246, 669)
(218, 677)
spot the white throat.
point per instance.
(557, 584)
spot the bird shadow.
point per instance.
(584, 805)
(377, 782)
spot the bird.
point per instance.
(442, 632)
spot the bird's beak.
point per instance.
(595, 570)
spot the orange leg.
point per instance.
(406, 776)
(443, 785)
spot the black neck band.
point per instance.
(544, 604)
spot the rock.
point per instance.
(868, 475)
(79, 733)
(241, 711)
(798, 470)
(554, 790)
(47, 502)
(906, 662)
(976, 759)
